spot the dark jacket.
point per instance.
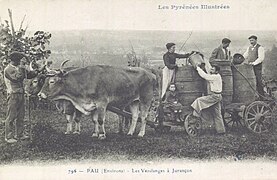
(170, 59)
(218, 53)
(171, 97)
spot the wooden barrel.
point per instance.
(227, 80)
(196, 59)
(243, 93)
(189, 86)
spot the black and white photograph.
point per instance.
(132, 89)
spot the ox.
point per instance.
(66, 107)
(91, 89)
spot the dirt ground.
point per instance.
(50, 144)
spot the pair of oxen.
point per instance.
(91, 90)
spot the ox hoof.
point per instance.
(129, 134)
(94, 135)
(67, 132)
(77, 132)
(140, 135)
(102, 136)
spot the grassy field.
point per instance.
(50, 144)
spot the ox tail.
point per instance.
(157, 79)
(157, 82)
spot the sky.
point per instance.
(141, 14)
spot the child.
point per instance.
(171, 100)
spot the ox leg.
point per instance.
(101, 120)
(120, 124)
(96, 124)
(134, 108)
(69, 119)
(143, 114)
(77, 124)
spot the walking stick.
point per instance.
(29, 119)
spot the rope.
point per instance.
(253, 88)
(185, 41)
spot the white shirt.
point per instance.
(214, 80)
(260, 53)
(228, 53)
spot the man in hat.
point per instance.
(222, 52)
(212, 100)
(14, 74)
(170, 66)
(254, 55)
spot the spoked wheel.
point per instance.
(233, 119)
(193, 125)
(258, 117)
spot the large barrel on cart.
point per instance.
(243, 80)
(239, 105)
(239, 93)
(244, 110)
(189, 86)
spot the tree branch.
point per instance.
(21, 24)
(12, 27)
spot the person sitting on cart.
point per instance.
(212, 100)
(171, 100)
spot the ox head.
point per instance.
(34, 85)
(53, 83)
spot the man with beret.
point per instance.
(254, 55)
(14, 74)
(222, 52)
(170, 66)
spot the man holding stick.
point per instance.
(14, 74)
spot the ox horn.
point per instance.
(46, 66)
(31, 66)
(63, 63)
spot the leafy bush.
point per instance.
(35, 47)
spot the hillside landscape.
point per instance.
(110, 47)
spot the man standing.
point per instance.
(212, 100)
(14, 74)
(170, 66)
(254, 55)
(222, 52)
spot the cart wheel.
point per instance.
(258, 117)
(232, 119)
(193, 125)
